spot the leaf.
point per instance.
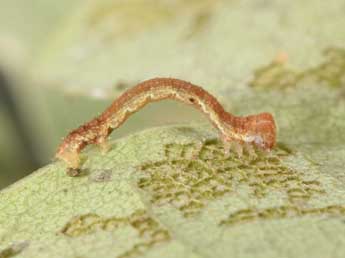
(159, 193)
(170, 191)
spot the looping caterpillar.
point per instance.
(258, 129)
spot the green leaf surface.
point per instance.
(170, 191)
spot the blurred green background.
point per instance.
(38, 107)
(24, 26)
(62, 62)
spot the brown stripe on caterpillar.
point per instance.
(258, 129)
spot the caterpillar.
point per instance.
(259, 129)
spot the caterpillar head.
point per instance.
(68, 151)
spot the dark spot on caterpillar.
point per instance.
(192, 100)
